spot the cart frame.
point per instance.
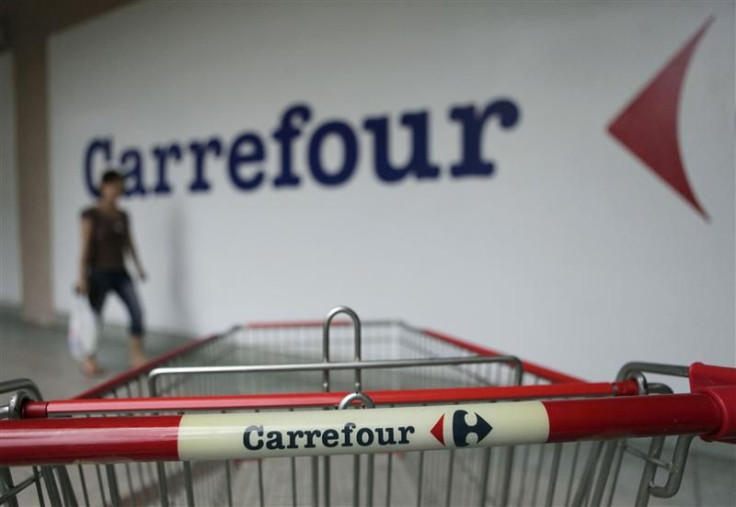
(41, 433)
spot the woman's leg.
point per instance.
(97, 287)
(125, 289)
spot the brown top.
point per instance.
(109, 240)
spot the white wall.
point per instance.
(572, 254)
(10, 263)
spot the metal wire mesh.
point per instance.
(303, 344)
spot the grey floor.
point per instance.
(41, 354)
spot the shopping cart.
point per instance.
(344, 413)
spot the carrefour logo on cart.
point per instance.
(254, 160)
(461, 430)
(258, 437)
(349, 435)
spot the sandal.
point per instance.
(91, 368)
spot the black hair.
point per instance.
(111, 176)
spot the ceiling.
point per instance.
(20, 19)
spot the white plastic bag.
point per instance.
(82, 329)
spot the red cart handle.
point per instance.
(41, 409)
(720, 384)
(709, 411)
(321, 432)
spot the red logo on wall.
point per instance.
(648, 125)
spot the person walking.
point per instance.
(106, 239)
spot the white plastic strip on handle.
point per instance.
(254, 435)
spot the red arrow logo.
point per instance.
(648, 125)
(438, 430)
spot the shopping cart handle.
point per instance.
(720, 384)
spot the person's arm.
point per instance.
(84, 256)
(134, 254)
